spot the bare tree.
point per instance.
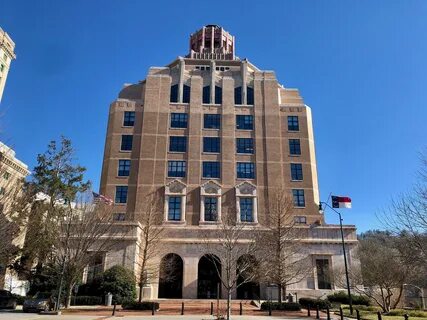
(151, 219)
(284, 261)
(230, 242)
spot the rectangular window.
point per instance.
(218, 95)
(206, 94)
(323, 274)
(124, 168)
(119, 217)
(174, 93)
(298, 195)
(2, 192)
(186, 94)
(294, 146)
(296, 171)
(212, 121)
(211, 208)
(211, 144)
(6, 175)
(2, 68)
(246, 209)
(300, 220)
(174, 212)
(245, 170)
(211, 169)
(250, 96)
(238, 95)
(176, 169)
(178, 144)
(127, 141)
(129, 118)
(245, 145)
(179, 120)
(293, 124)
(121, 194)
(244, 122)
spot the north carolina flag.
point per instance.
(341, 202)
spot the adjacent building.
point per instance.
(212, 132)
(7, 54)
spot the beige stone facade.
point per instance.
(211, 132)
(7, 54)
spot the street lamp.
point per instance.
(343, 249)
(421, 292)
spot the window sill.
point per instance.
(208, 223)
(123, 126)
(122, 177)
(243, 105)
(125, 151)
(178, 152)
(120, 204)
(169, 177)
(299, 207)
(179, 103)
(177, 128)
(210, 178)
(172, 222)
(206, 152)
(294, 131)
(212, 129)
(247, 130)
(243, 179)
(297, 180)
(294, 155)
(245, 154)
(249, 223)
(211, 104)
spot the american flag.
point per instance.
(99, 197)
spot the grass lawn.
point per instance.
(371, 314)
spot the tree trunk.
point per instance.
(68, 294)
(141, 285)
(228, 304)
(279, 293)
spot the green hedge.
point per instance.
(313, 303)
(288, 306)
(342, 297)
(86, 301)
(144, 305)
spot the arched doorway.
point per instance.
(248, 286)
(170, 276)
(208, 280)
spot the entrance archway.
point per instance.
(248, 287)
(170, 276)
(208, 280)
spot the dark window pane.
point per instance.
(245, 122)
(246, 209)
(186, 94)
(119, 217)
(250, 97)
(207, 94)
(299, 199)
(179, 120)
(238, 95)
(174, 93)
(176, 169)
(294, 147)
(178, 144)
(300, 220)
(124, 168)
(323, 274)
(211, 144)
(121, 194)
(211, 169)
(296, 171)
(126, 142)
(244, 145)
(212, 121)
(293, 124)
(245, 170)
(211, 208)
(174, 212)
(129, 118)
(218, 95)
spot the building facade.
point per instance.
(211, 133)
(7, 54)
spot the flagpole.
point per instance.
(344, 253)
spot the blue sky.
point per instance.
(361, 66)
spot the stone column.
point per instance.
(244, 74)
(213, 71)
(181, 79)
(189, 283)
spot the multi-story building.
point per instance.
(7, 54)
(12, 173)
(211, 132)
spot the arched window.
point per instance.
(174, 93)
(250, 95)
(208, 280)
(207, 94)
(170, 276)
(238, 95)
(246, 271)
(218, 95)
(186, 94)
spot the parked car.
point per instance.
(7, 300)
(41, 301)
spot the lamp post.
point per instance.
(344, 253)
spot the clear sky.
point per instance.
(360, 65)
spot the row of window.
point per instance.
(211, 169)
(297, 194)
(211, 144)
(186, 91)
(207, 68)
(210, 121)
